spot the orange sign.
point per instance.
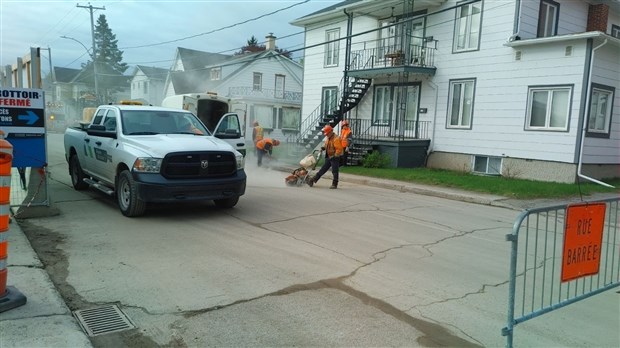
(583, 236)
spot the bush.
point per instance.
(376, 159)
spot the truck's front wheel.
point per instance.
(127, 195)
(77, 175)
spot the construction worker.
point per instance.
(265, 147)
(257, 132)
(345, 136)
(333, 151)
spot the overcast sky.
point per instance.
(161, 26)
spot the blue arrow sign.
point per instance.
(31, 117)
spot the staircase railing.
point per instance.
(308, 125)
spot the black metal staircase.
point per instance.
(311, 128)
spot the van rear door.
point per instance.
(190, 104)
(229, 130)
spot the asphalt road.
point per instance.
(359, 267)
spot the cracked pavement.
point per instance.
(359, 266)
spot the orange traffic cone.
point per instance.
(9, 296)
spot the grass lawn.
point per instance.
(516, 188)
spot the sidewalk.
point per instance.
(46, 321)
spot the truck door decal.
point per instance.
(101, 155)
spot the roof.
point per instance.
(152, 72)
(65, 75)
(194, 60)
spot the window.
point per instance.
(146, 87)
(329, 101)
(257, 84)
(382, 105)
(615, 31)
(279, 88)
(216, 74)
(488, 165)
(264, 115)
(331, 48)
(599, 119)
(467, 27)
(548, 108)
(548, 18)
(461, 103)
(290, 118)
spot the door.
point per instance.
(229, 130)
(405, 122)
(190, 104)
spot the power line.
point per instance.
(218, 29)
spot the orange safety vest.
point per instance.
(258, 133)
(333, 145)
(345, 135)
(265, 144)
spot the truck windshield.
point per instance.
(146, 122)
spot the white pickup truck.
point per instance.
(146, 154)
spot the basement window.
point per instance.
(488, 165)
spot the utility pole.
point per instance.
(92, 33)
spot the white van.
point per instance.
(216, 113)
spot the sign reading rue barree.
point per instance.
(583, 238)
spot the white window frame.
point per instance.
(216, 74)
(332, 48)
(467, 27)
(383, 104)
(278, 90)
(553, 94)
(461, 101)
(548, 17)
(257, 81)
(145, 87)
(329, 99)
(492, 165)
(615, 31)
(599, 118)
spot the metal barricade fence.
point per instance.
(536, 285)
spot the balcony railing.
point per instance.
(389, 56)
(288, 96)
(368, 131)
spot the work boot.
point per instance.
(334, 185)
(310, 181)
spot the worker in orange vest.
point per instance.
(265, 147)
(333, 151)
(345, 136)
(257, 132)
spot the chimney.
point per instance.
(597, 18)
(271, 42)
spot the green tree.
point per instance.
(253, 47)
(109, 60)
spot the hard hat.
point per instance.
(344, 123)
(327, 129)
(276, 142)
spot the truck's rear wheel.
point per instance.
(226, 202)
(77, 175)
(127, 195)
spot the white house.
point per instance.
(147, 83)
(518, 88)
(267, 83)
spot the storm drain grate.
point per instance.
(103, 320)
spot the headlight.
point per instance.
(147, 165)
(240, 160)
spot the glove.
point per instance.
(322, 148)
